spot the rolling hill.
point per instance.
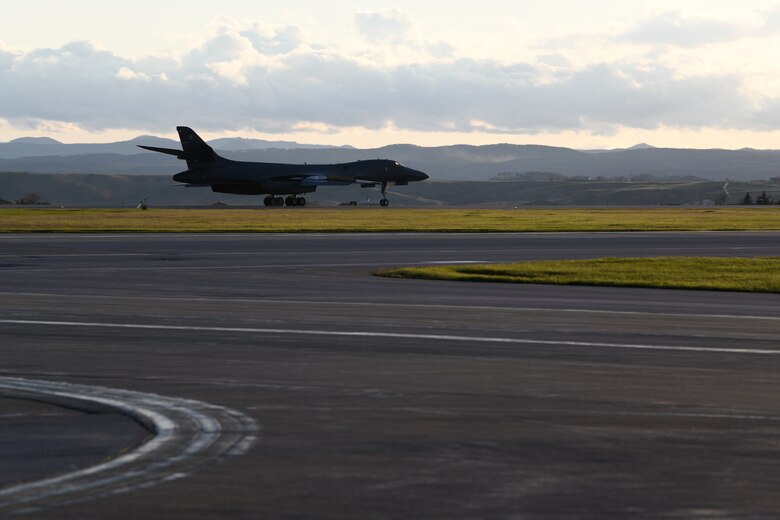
(78, 190)
(458, 162)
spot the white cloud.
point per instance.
(272, 41)
(271, 79)
(386, 25)
(128, 74)
(6, 59)
(676, 29)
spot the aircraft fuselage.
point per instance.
(206, 168)
(250, 178)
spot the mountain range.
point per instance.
(46, 146)
(457, 162)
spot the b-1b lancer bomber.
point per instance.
(207, 169)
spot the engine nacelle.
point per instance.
(324, 180)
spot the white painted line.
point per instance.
(432, 337)
(186, 433)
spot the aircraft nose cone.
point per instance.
(418, 175)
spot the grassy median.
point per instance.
(761, 274)
(340, 220)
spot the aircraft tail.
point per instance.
(196, 151)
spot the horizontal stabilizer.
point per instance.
(180, 154)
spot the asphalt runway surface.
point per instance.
(289, 382)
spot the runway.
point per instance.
(389, 398)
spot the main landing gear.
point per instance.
(292, 200)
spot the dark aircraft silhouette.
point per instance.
(206, 168)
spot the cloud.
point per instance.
(6, 59)
(771, 20)
(394, 38)
(271, 79)
(273, 41)
(385, 25)
(677, 30)
(126, 73)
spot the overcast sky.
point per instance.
(601, 73)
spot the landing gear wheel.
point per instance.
(384, 202)
(278, 201)
(268, 200)
(290, 201)
(300, 201)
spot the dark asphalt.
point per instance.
(40, 439)
(383, 398)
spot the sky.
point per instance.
(596, 74)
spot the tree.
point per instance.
(30, 198)
(748, 200)
(763, 199)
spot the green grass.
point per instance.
(290, 220)
(761, 274)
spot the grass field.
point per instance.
(724, 274)
(340, 220)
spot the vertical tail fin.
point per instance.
(195, 147)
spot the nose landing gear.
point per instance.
(384, 202)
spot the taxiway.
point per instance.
(391, 398)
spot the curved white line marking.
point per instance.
(186, 433)
(439, 337)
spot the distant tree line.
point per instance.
(30, 199)
(761, 200)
